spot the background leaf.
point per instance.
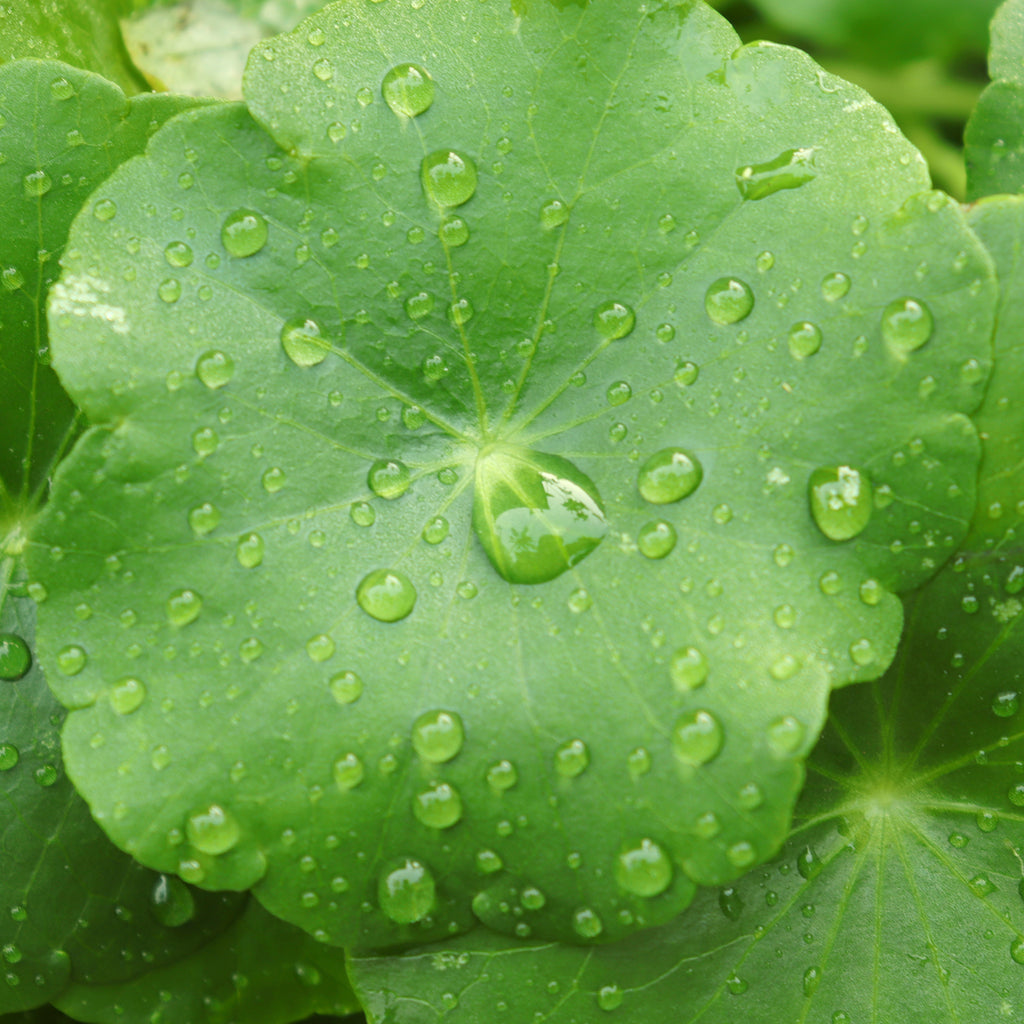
(994, 151)
(899, 892)
(316, 359)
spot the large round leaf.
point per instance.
(449, 518)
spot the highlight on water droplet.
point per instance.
(644, 869)
(388, 478)
(669, 475)
(406, 891)
(785, 736)
(449, 178)
(36, 184)
(697, 737)
(408, 90)
(438, 807)
(656, 540)
(249, 550)
(346, 687)
(535, 514)
(790, 169)
(71, 660)
(907, 324)
(835, 287)
(437, 736)
(15, 657)
(572, 758)
(614, 320)
(348, 772)
(804, 340)
(171, 901)
(215, 368)
(688, 669)
(586, 923)
(728, 301)
(841, 501)
(127, 695)
(553, 214)
(244, 233)
(213, 830)
(183, 607)
(386, 595)
(303, 342)
(502, 776)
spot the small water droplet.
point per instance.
(1015, 794)
(323, 70)
(171, 901)
(657, 539)
(614, 320)
(730, 903)
(215, 368)
(502, 776)
(697, 737)
(249, 550)
(460, 312)
(571, 759)
(609, 997)
(808, 863)
(179, 254)
(320, 647)
(688, 669)
(105, 209)
(9, 756)
(408, 90)
(804, 340)
(436, 530)
(303, 342)
(1006, 704)
(586, 924)
(553, 214)
(15, 657)
(213, 830)
(454, 232)
(437, 736)
(348, 772)
(785, 736)
(438, 807)
(449, 178)
(419, 306)
(169, 290)
(728, 300)
(244, 233)
(668, 476)
(840, 501)
(406, 891)
(36, 184)
(1017, 950)
(907, 324)
(71, 660)
(835, 287)
(346, 687)
(183, 607)
(203, 518)
(644, 869)
(790, 169)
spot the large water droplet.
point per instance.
(728, 300)
(386, 594)
(127, 695)
(572, 758)
(688, 669)
(303, 342)
(841, 501)
(215, 368)
(213, 830)
(449, 178)
(71, 659)
(348, 772)
(438, 807)
(437, 736)
(36, 184)
(790, 169)
(171, 901)
(502, 776)
(697, 737)
(244, 233)
(15, 657)
(183, 607)
(614, 320)
(644, 869)
(406, 891)
(535, 515)
(388, 478)
(586, 923)
(906, 325)
(408, 90)
(804, 340)
(668, 476)
(249, 550)
(656, 540)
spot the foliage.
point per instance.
(403, 412)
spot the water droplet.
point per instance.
(71, 660)
(1015, 794)
(502, 776)
(406, 891)
(1006, 704)
(348, 772)
(436, 530)
(535, 514)
(244, 233)
(303, 342)
(804, 340)
(619, 393)
(362, 514)
(320, 647)
(730, 903)
(614, 320)
(586, 924)
(644, 869)
(213, 830)
(438, 807)
(9, 756)
(571, 759)
(736, 985)
(437, 736)
(388, 478)
(609, 997)
(249, 550)
(460, 312)
(808, 863)
(15, 657)
(323, 70)
(178, 254)
(205, 441)
(532, 898)
(580, 600)
(203, 518)
(987, 821)
(657, 539)
(906, 325)
(105, 209)
(688, 669)
(408, 90)
(215, 368)
(171, 901)
(785, 736)
(183, 607)
(36, 184)
(840, 500)
(697, 737)
(728, 301)
(835, 287)
(346, 687)
(668, 476)
(419, 306)
(488, 862)
(454, 232)
(981, 886)
(449, 178)
(553, 214)
(790, 169)
(1017, 950)
(126, 695)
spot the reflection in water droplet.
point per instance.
(841, 501)
(408, 90)
(614, 320)
(906, 325)
(36, 184)
(437, 736)
(790, 169)
(436, 530)
(535, 514)
(644, 869)
(697, 737)
(438, 807)
(386, 595)
(215, 368)
(213, 830)
(406, 891)
(454, 232)
(244, 233)
(71, 659)
(728, 300)
(303, 342)
(609, 997)
(808, 863)
(669, 476)
(15, 657)
(9, 756)
(449, 178)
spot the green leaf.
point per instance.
(86, 35)
(363, 382)
(994, 152)
(62, 131)
(886, 33)
(900, 892)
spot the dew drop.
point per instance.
(906, 325)
(614, 320)
(203, 518)
(668, 476)
(388, 478)
(179, 254)
(449, 178)
(586, 924)
(36, 184)
(408, 90)
(171, 901)
(804, 340)
(346, 687)
(406, 891)
(169, 290)
(808, 863)
(835, 287)
(215, 368)
(348, 772)
(244, 233)
(840, 500)
(249, 550)
(71, 660)
(15, 657)
(609, 997)
(183, 607)
(688, 669)
(362, 514)
(644, 869)
(697, 737)
(438, 807)
(454, 232)
(553, 214)
(419, 306)
(303, 342)
(571, 759)
(9, 756)
(502, 776)
(1015, 794)
(213, 830)
(436, 530)
(790, 169)
(730, 903)
(437, 736)
(657, 539)
(785, 736)
(105, 209)
(205, 441)
(728, 301)
(320, 647)
(126, 695)
(1017, 950)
